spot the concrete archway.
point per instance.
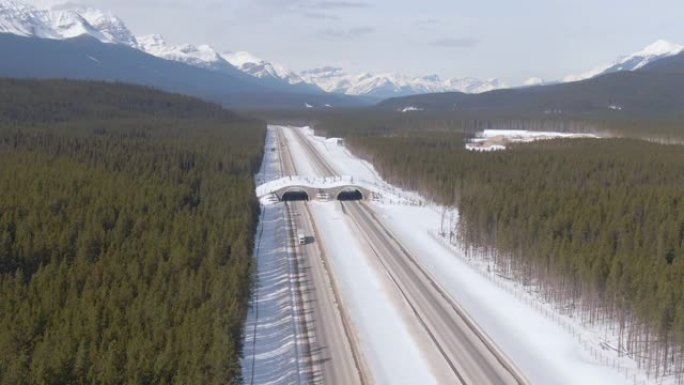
(350, 194)
(294, 195)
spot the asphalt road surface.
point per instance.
(334, 356)
(472, 357)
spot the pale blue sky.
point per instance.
(512, 40)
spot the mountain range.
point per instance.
(653, 90)
(387, 85)
(659, 49)
(68, 21)
(84, 43)
(241, 70)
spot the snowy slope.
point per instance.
(106, 23)
(21, 19)
(534, 81)
(200, 56)
(68, 24)
(658, 50)
(330, 79)
(261, 68)
(69, 21)
(63, 22)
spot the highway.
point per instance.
(471, 356)
(333, 354)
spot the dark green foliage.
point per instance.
(379, 122)
(126, 227)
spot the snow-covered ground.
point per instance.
(494, 140)
(271, 352)
(549, 347)
(353, 171)
(411, 109)
(546, 351)
(360, 171)
(387, 340)
(272, 342)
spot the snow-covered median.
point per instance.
(388, 342)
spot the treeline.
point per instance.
(126, 227)
(596, 225)
(383, 121)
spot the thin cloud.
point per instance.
(425, 23)
(320, 16)
(309, 5)
(308, 9)
(451, 42)
(351, 33)
(328, 5)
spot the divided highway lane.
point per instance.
(321, 165)
(287, 166)
(334, 357)
(472, 357)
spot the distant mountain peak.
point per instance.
(659, 48)
(652, 52)
(533, 81)
(108, 24)
(63, 22)
(201, 56)
(239, 58)
(384, 85)
(260, 68)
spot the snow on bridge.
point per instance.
(322, 188)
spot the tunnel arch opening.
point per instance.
(349, 195)
(294, 195)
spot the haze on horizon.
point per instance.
(512, 41)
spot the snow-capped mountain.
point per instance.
(106, 23)
(200, 56)
(18, 18)
(334, 79)
(658, 50)
(261, 68)
(330, 79)
(534, 81)
(240, 64)
(69, 21)
(63, 22)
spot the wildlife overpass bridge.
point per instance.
(297, 188)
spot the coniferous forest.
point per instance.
(596, 226)
(126, 227)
